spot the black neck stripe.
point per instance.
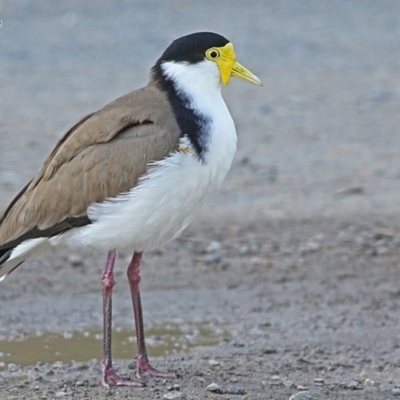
(191, 123)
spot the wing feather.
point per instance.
(102, 155)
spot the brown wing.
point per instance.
(101, 156)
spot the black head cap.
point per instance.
(191, 48)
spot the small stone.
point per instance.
(258, 262)
(58, 364)
(40, 364)
(68, 335)
(350, 190)
(304, 395)
(287, 383)
(396, 391)
(174, 396)
(213, 247)
(301, 387)
(211, 258)
(310, 247)
(75, 260)
(353, 385)
(268, 350)
(213, 363)
(276, 380)
(58, 395)
(319, 382)
(214, 387)
(12, 367)
(345, 237)
(235, 390)
(319, 237)
(176, 386)
(369, 382)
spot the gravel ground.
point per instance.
(292, 269)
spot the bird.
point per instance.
(132, 175)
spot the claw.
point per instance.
(143, 365)
(110, 377)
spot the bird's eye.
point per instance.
(212, 54)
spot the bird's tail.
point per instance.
(14, 257)
(8, 266)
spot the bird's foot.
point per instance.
(143, 365)
(109, 377)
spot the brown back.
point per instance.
(101, 156)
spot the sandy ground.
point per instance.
(292, 269)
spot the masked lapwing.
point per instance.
(132, 175)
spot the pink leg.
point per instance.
(142, 361)
(108, 282)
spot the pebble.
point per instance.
(213, 363)
(304, 395)
(287, 383)
(214, 387)
(350, 190)
(68, 335)
(174, 396)
(175, 386)
(269, 350)
(12, 367)
(310, 247)
(211, 258)
(276, 380)
(213, 247)
(235, 390)
(396, 391)
(75, 260)
(246, 250)
(345, 237)
(256, 261)
(369, 382)
(319, 382)
(354, 385)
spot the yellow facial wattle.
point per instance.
(228, 66)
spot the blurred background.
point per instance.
(320, 139)
(296, 258)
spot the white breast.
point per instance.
(165, 201)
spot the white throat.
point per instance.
(200, 83)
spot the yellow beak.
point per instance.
(228, 66)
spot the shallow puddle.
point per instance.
(50, 347)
